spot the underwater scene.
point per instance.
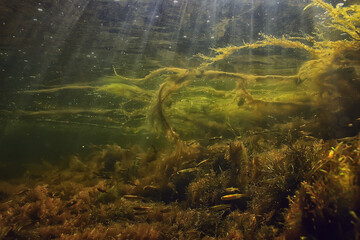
(180, 119)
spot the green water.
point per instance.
(60, 95)
(179, 119)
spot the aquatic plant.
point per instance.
(279, 183)
(326, 56)
(324, 86)
(287, 192)
(326, 206)
(344, 19)
(207, 190)
(281, 174)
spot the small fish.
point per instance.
(310, 137)
(305, 133)
(232, 197)
(202, 162)
(193, 142)
(324, 171)
(150, 187)
(231, 190)
(215, 138)
(187, 170)
(140, 208)
(102, 175)
(22, 192)
(132, 197)
(220, 207)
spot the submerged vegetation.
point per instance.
(309, 189)
(331, 76)
(325, 86)
(279, 165)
